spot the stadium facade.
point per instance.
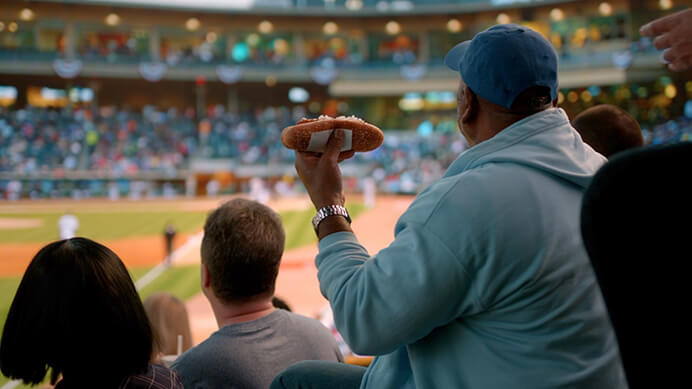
(139, 77)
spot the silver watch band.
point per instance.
(329, 210)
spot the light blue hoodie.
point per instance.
(487, 284)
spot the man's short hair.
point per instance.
(608, 129)
(532, 100)
(242, 248)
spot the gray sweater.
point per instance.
(249, 355)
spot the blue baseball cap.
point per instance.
(503, 61)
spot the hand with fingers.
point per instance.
(320, 172)
(674, 35)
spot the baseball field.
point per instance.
(134, 230)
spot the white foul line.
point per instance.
(160, 268)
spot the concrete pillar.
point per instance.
(423, 48)
(299, 48)
(191, 185)
(201, 98)
(70, 41)
(363, 48)
(231, 40)
(154, 45)
(232, 100)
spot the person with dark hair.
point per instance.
(241, 252)
(640, 255)
(77, 313)
(608, 129)
(487, 283)
(281, 304)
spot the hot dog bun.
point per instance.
(363, 136)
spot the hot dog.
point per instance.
(312, 134)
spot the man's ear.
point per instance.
(469, 106)
(206, 280)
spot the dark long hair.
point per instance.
(76, 312)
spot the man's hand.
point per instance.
(320, 173)
(674, 35)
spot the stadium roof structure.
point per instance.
(320, 7)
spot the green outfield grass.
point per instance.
(103, 225)
(182, 282)
(8, 287)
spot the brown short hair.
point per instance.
(169, 318)
(242, 248)
(608, 129)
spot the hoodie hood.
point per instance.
(544, 141)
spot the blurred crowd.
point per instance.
(123, 142)
(672, 131)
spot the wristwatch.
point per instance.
(329, 210)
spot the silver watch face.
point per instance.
(329, 210)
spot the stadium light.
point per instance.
(265, 27)
(252, 39)
(572, 96)
(193, 24)
(12, 27)
(670, 91)
(112, 19)
(557, 14)
(665, 4)
(26, 15)
(605, 9)
(503, 18)
(586, 96)
(354, 5)
(298, 95)
(270, 81)
(281, 46)
(392, 27)
(454, 25)
(330, 28)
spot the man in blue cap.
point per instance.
(487, 283)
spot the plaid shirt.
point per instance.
(156, 377)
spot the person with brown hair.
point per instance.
(608, 129)
(241, 252)
(169, 320)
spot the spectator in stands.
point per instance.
(486, 284)
(674, 35)
(77, 313)
(169, 320)
(241, 251)
(608, 129)
(640, 255)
